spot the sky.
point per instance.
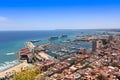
(59, 14)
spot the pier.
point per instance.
(30, 45)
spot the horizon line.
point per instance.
(65, 29)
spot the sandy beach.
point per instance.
(16, 68)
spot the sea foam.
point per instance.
(12, 53)
(7, 64)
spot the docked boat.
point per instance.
(33, 41)
(63, 35)
(53, 38)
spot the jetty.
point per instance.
(30, 45)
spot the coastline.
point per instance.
(14, 69)
(16, 42)
(21, 66)
(17, 67)
(10, 67)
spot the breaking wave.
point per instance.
(7, 64)
(12, 53)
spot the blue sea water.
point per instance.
(12, 41)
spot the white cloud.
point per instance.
(2, 19)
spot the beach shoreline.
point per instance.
(10, 67)
(16, 68)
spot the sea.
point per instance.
(12, 41)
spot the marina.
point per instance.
(59, 39)
(71, 58)
(64, 56)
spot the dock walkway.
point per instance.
(45, 56)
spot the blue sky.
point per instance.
(59, 14)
